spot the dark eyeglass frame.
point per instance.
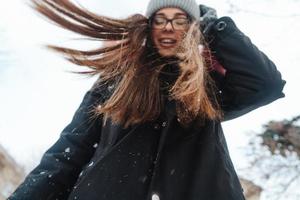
(151, 21)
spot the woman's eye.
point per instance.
(159, 21)
(181, 21)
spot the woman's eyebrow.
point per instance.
(180, 14)
(176, 14)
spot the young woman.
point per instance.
(150, 127)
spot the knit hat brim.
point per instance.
(189, 6)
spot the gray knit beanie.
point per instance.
(189, 6)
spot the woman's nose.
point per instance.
(169, 26)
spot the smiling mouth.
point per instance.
(167, 42)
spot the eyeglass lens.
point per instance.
(177, 23)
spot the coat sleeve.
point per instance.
(251, 78)
(61, 164)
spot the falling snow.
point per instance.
(91, 164)
(95, 145)
(67, 150)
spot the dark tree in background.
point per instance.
(282, 136)
(274, 159)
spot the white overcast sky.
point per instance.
(39, 96)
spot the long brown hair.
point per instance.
(133, 65)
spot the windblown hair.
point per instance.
(133, 65)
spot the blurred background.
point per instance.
(39, 96)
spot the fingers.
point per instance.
(208, 16)
(207, 11)
(203, 9)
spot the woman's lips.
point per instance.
(167, 42)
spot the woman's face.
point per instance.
(166, 36)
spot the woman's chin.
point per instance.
(167, 53)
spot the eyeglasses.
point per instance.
(177, 23)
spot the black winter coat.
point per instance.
(160, 159)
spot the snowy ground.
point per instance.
(39, 96)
